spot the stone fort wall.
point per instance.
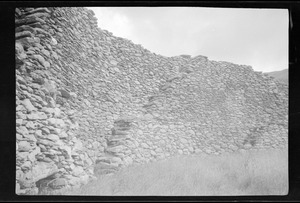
(88, 103)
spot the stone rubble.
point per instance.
(89, 103)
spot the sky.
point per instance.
(255, 37)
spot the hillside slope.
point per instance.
(280, 75)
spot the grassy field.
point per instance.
(241, 173)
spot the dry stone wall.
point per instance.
(88, 103)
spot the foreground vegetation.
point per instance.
(262, 172)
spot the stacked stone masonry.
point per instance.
(88, 103)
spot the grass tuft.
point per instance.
(263, 172)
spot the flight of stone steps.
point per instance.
(111, 160)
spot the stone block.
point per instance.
(42, 170)
(77, 171)
(28, 105)
(57, 183)
(119, 132)
(64, 93)
(24, 146)
(115, 149)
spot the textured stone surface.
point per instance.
(85, 98)
(42, 170)
(24, 146)
(28, 105)
(58, 183)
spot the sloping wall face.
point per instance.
(88, 103)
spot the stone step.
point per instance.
(29, 20)
(166, 86)
(114, 138)
(38, 10)
(151, 98)
(38, 14)
(106, 166)
(174, 78)
(116, 143)
(189, 70)
(122, 124)
(101, 164)
(113, 154)
(119, 132)
(150, 104)
(121, 128)
(116, 149)
(99, 172)
(26, 42)
(23, 34)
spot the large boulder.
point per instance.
(42, 170)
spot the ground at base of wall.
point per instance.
(256, 172)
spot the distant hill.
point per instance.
(281, 75)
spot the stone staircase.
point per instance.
(112, 159)
(165, 89)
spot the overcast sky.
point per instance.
(256, 37)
